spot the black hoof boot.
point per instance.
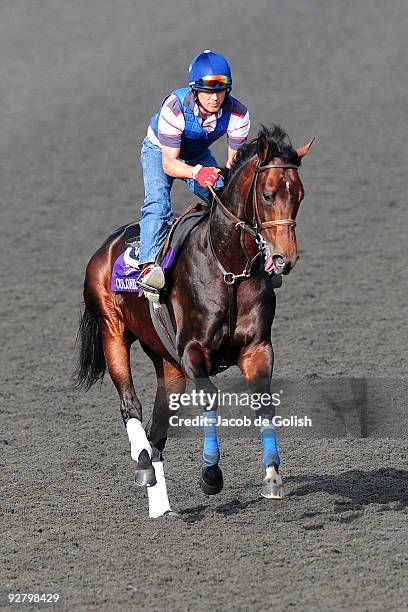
(145, 475)
(211, 480)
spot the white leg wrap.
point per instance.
(137, 438)
(158, 499)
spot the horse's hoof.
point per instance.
(272, 486)
(171, 514)
(211, 480)
(145, 475)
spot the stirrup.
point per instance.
(147, 288)
(150, 293)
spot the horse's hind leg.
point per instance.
(169, 380)
(116, 345)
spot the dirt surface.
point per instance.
(79, 81)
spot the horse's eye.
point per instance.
(268, 197)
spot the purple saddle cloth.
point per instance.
(126, 271)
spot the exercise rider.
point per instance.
(177, 146)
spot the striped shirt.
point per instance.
(171, 123)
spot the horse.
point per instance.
(221, 300)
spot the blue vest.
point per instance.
(195, 141)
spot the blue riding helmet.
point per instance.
(209, 71)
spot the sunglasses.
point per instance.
(217, 81)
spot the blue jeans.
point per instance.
(156, 211)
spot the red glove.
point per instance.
(207, 176)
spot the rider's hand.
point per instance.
(207, 176)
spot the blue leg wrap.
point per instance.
(270, 453)
(211, 451)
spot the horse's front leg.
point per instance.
(196, 365)
(256, 364)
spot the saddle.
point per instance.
(126, 271)
(179, 231)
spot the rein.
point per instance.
(229, 277)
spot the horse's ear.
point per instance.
(302, 151)
(262, 148)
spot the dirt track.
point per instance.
(79, 81)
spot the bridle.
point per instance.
(254, 230)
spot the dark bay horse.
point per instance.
(221, 301)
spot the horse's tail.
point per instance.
(91, 364)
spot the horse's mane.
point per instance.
(279, 146)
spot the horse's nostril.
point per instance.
(279, 261)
